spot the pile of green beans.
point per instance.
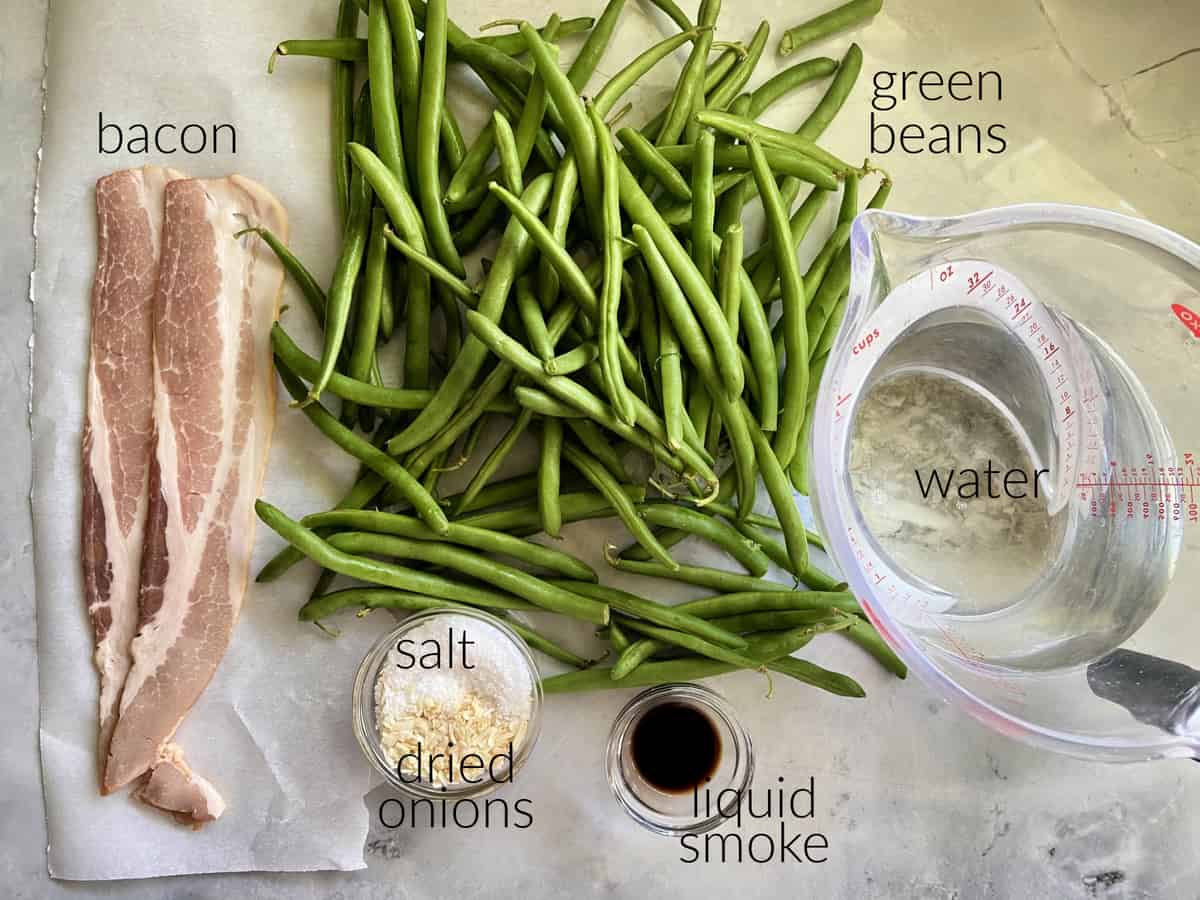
(627, 321)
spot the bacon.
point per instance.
(117, 430)
(213, 412)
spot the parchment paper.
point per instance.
(272, 731)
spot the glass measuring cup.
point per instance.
(1066, 340)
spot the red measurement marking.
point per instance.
(1190, 320)
(1100, 484)
(975, 280)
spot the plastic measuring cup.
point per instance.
(1070, 338)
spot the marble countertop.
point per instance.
(916, 800)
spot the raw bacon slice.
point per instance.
(174, 788)
(118, 428)
(214, 400)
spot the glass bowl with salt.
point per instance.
(448, 704)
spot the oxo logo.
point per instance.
(1190, 319)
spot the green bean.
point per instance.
(778, 621)
(542, 403)
(480, 56)
(345, 275)
(490, 571)
(718, 579)
(447, 279)
(738, 157)
(346, 49)
(325, 605)
(709, 528)
(309, 288)
(798, 470)
(828, 303)
(366, 322)
(633, 656)
(729, 282)
(616, 86)
(491, 388)
(470, 171)
(585, 62)
(742, 128)
(845, 16)
(795, 388)
(746, 602)
(603, 481)
(576, 506)
(724, 185)
(514, 250)
(787, 80)
(558, 219)
(407, 50)
(616, 637)
(375, 459)
(362, 493)
(429, 114)
(454, 147)
(870, 640)
(575, 120)
(549, 477)
(476, 538)
(572, 361)
(506, 146)
(365, 569)
(514, 45)
(605, 452)
(705, 305)
(658, 613)
(674, 13)
(780, 492)
(731, 85)
(570, 275)
(773, 650)
(692, 643)
(839, 89)
(534, 322)
(647, 158)
(578, 396)
(671, 375)
(359, 391)
(689, 90)
(384, 114)
(407, 220)
(507, 490)
(494, 460)
(691, 340)
(704, 207)
(608, 312)
(342, 111)
(801, 221)
(387, 305)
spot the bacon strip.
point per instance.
(214, 399)
(118, 428)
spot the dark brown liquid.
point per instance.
(675, 747)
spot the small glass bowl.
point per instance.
(367, 734)
(674, 813)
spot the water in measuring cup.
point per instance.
(1010, 581)
(921, 450)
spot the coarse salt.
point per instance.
(481, 710)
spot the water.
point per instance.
(1014, 582)
(983, 552)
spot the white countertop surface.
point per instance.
(916, 800)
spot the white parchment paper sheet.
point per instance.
(273, 729)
